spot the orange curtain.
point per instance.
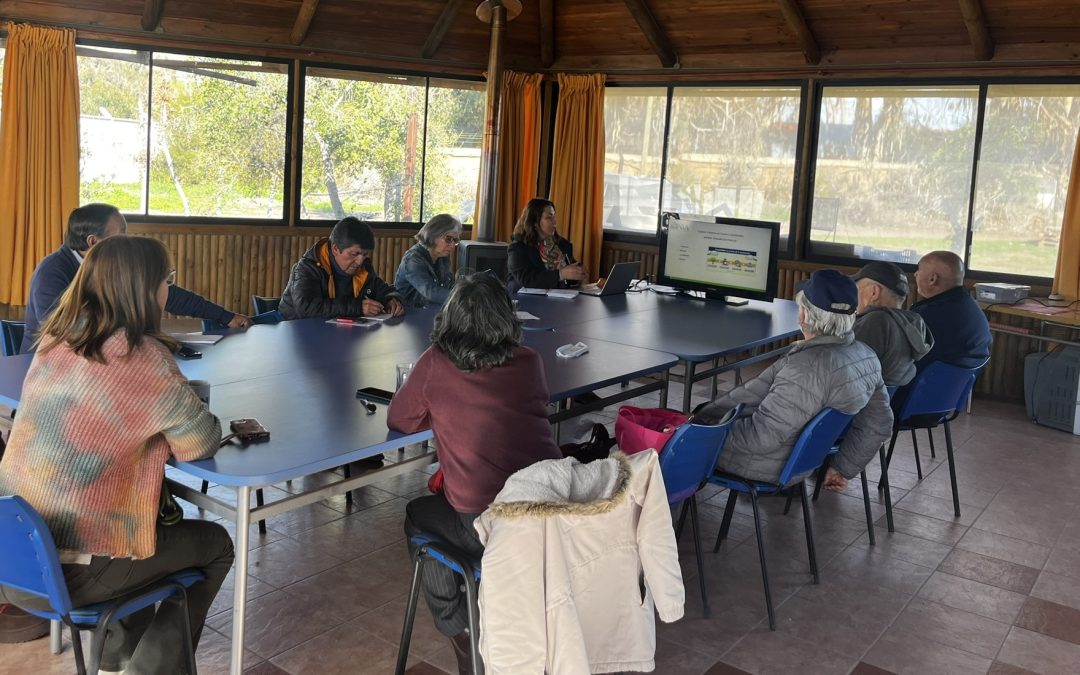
(1067, 276)
(519, 148)
(39, 151)
(577, 174)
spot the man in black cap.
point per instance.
(335, 277)
(829, 369)
(899, 337)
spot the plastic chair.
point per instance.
(214, 328)
(31, 564)
(934, 398)
(440, 552)
(813, 444)
(262, 305)
(686, 462)
(11, 333)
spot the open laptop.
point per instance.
(618, 280)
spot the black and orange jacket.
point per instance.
(311, 291)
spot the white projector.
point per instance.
(1005, 293)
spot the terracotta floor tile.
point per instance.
(1035, 526)
(348, 590)
(1057, 588)
(926, 527)
(1005, 548)
(906, 547)
(765, 651)
(1000, 668)
(1065, 562)
(215, 654)
(345, 649)
(678, 660)
(264, 668)
(864, 668)
(905, 654)
(278, 622)
(1050, 618)
(287, 561)
(838, 628)
(877, 569)
(721, 668)
(993, 571)
(1039, 653)
(972, 596)
(952, 627)
(425, 668)
(937, 507)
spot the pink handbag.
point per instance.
(638, 429)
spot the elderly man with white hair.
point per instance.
(828, 369)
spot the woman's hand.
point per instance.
(574, 272)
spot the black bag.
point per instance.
(597, 447)
(169, 512)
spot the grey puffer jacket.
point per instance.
(822, 372)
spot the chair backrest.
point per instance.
(30, 562)
(214, 328)
(937, 392)
(814, 443)
(689, 456)
(12, 337)
(263, 305)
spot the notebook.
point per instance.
(618, 280)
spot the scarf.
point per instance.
(322, 254)
(551, 254)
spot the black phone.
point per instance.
(188, 353)
(249, 430)
(375, 394)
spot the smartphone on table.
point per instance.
(375, 394)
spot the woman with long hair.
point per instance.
(537, 256)
(103, 407)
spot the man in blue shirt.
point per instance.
(961, 332)
(88, 225)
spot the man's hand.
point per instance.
(395, 307)
(239, 321)
(372, 307)
(834, 481)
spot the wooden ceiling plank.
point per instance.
(151, 14)
(653, 33)
(547, 32)
(795, 20)
(975, 20)
(440, 29)
(303, 21)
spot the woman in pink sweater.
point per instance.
(103, 407)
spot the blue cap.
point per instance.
(831, 291)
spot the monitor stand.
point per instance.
(732, 301)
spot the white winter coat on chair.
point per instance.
(576, 557)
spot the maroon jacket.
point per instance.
(487, 424)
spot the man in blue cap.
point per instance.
(828, 369)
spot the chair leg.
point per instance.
(729, 510)
(820, 480)
(885, 460)
(761, 558)
(697, 554)
(930, 435)
(787, 504)
(259, 502)
(76, 647)
(189, 648)
(205, 486)
(915, 449)
(884, 485)
(410, 614)
(348, 474)
(473, 600)
(866, 506)
(682, 520)
(808, 525)
(952, 470)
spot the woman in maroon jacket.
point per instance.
(485, 398)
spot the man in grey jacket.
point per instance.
(829, 369)
(898, 336)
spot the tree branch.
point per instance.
(303, 21)
(151, 14)
(653, 32)
(975, 20)
(440, 29)
(807, 43)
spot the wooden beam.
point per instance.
(975, 20)
(547, 32)
(440, 29)
(807, 43)
(303, 21)
(653, 32)
(151, 14)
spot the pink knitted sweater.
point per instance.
(90, 441)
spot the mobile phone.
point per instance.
(186, 352)
(375, 394)
(249, 430)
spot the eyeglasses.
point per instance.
(171, 279)
(451, 239)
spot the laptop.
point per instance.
(618, 280)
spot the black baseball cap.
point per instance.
(887, 274)
(831, 290)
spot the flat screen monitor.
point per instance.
(719, 256)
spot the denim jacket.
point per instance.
(421, 280)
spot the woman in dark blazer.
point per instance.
(538, 257)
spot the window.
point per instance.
(893, 173)
(731, 152)
(1029, 135)
(174, 135)
(634, 146)
(390, 148)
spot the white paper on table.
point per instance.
(525, 316)
(533, 291)
(379, 317)
(196, 338)
(562, 293)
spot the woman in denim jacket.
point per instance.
(424, 274)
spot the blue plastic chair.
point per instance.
(434, 549)
(214, 328)
(934, 398)
(30, 564)
(262, 305)
(11, 333)
(813, 444)
(687, 461)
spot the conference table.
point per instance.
(299, 378)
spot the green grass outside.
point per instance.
(987, 255)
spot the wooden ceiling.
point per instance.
(644, 36)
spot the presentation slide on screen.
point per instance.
(720, 254)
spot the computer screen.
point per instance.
(720, 256)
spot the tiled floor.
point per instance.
(996, 590)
